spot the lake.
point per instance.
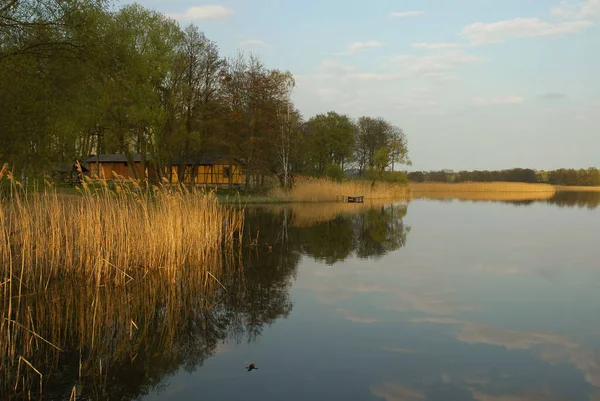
(427, 300)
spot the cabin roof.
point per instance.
(68, 167)
(115, 158)
(205, 160)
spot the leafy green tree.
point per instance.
(143, 48)
(193, 95)
(329, 139)
(371, 135)
(395, 151)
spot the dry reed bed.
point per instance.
(501, 191)
(102, 239)
(307, 189)
(576, 188)
(484, 196)
(112, 235)
(480, 187)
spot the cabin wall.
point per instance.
(219, 176)
(188, 171)
(209, 175)
(122, 169)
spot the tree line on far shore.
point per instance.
(583, 177)
(79, 78)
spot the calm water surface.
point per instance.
(429, 300)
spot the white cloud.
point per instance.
(254, 43)
(581, 10)
(205, 12)
(336, 67)
(373, 76)
(498, 32)
(357, 46)
(553, 95)
(437, 66)
(403, 83)
(345, 87)
(438, 46)
(406, 14)
(575, 18)
(481, 101)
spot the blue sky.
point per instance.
(475, 84)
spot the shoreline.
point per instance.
(407, 192)
(502, 191)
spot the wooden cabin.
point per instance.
(209, 170)
(205, 170)
(109, 166)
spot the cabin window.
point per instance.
(226, 172)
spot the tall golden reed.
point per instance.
(308, 189)
(112, 235)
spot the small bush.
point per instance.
(335, 172)
(396, 177)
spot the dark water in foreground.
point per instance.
(489, 301)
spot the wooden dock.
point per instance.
(353, 199)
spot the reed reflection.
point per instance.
(123, 342)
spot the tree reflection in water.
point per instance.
(122, 343)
